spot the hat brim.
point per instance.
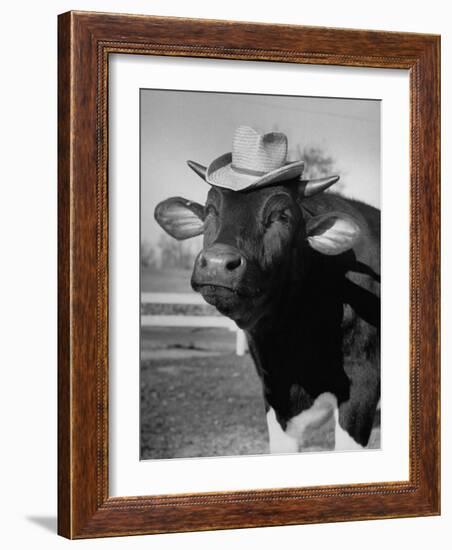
(221, 174)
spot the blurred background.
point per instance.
(200, 394)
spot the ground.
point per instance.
(198, 398)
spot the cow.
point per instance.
(297, 268)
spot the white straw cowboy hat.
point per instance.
(256, 160)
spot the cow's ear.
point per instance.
(180, 217)
(332, 233)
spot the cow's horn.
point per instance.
(309, 188)
(198, 168)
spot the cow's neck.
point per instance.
(296, 345)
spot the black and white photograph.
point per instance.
(260, 274)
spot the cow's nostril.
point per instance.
(233, 263)
(220, 261)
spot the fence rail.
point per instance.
(204, 321)
(172, 298)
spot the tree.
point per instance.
(176, 254)
(317, 163)
(148, 257)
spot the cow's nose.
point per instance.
(220, 264)
(219, 259)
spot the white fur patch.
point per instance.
(280, 442)
(292, 438)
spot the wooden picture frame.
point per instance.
(85, 42)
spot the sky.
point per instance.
(177, 126)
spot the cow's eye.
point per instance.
(282, 216)
(211, 210)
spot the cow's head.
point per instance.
(254, 241)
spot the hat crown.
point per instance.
(256, 160)
(258, 154)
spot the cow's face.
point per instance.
(252, 243)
